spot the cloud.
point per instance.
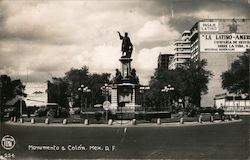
(146, 61)
(183, 14)
(103, 58)
(44, 38)
(52, 36)
(182, 23)
(239, 7)
(156, 31)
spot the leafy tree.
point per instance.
(189, 80)
(11, 88)
(7, 91)
(196, 79)
(57, 92)
(96, 82)
(236, 79)
(77, 77)
(61, 88)
(161, 78)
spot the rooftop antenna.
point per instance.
(27, 75)
(172, 11)
(163, 18)
(50, 76)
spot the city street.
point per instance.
(165, 79)
(220, 141)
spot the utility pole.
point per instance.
(248, 52)
(84, 90)
(1, 107)
(106, 103)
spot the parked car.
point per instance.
(42, 111)
(210, 110)
(11, 112)
(52, 110)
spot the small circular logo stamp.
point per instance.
(8, 142)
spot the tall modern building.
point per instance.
(164, 59)
(182, 51)
(219, 41)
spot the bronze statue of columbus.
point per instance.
(127, 46)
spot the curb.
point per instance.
(176, 124)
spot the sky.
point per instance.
(44, 38)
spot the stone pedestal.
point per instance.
(125, 94)
(125, 67)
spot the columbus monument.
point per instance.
(125, 87)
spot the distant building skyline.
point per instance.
(219, 42)
(44, 37)
(182, 51)
(164, 60)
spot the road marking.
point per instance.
(125, 129)
(124, 133)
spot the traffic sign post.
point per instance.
(106, 105)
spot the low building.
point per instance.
(232, 103)
(36, 94)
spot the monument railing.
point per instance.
(153, 109)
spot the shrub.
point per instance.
(98, 116)
(64, 113)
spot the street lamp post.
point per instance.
(83, 91)
(21, 107)
(143, 89)
(105, 90)
(166, 90)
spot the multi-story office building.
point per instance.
(164, 59)
(182, 51)
(219, 41)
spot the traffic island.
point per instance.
(92, 122)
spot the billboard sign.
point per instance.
(224, 42)
(209, 26)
